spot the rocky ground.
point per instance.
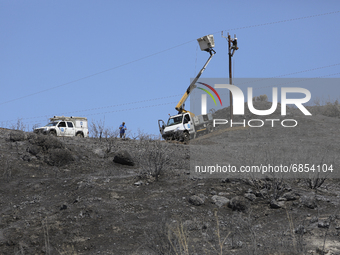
(112, 196)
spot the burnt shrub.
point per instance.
(58, 157)
(34, 149)
(153, 159)
(332, 109)
(46, 142)
(16, 136)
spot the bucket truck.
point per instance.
(185, 125)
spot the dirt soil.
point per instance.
(68, 196)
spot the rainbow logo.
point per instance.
(209, 93)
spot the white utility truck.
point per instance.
(65, 126)
(185, 125)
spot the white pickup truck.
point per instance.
(65, 126)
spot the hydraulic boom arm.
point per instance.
(180, 105)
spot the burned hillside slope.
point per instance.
(68, 196)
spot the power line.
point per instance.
(149, 106)
(136, 108)
(151, 55)
(290, 82)
(120, 110)
(95, 74)
(159, 98)
(280, 21)
(98, 108)
(294, 73)
(305, 79)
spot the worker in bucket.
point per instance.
(122, 130)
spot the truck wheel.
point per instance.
(186, 137)
(209, 129)
(80, 135)
(53, 133)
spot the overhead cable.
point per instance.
(151, 55)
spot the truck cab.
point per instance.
(183, 127)
(178, 127)
(66, 128)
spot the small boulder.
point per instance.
(250, 196)
(323, 224)
(276, 204)
(238, 204)
(219, 200)
(213, 192)
(308, 201)
(124, 158)
(202, 196)
(196, 200)
(289, 196)
(139, 183)
(63, 207)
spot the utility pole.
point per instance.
(232, 46)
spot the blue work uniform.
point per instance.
(122, 128)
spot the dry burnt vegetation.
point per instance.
(136, 196)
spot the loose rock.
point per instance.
(124, 158)
(196, 200)
(308, 201)
(323, 224)
(250, 196)
(219, 200)
(276, 204)
(238, 204)
(290, 196)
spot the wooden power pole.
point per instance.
(232, 46)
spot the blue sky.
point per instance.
(98, 59)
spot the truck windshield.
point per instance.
(175, 120)
(51, 124)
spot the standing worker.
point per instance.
(122, 130)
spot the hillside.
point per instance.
(70, 196)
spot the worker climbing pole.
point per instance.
(232, 47)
